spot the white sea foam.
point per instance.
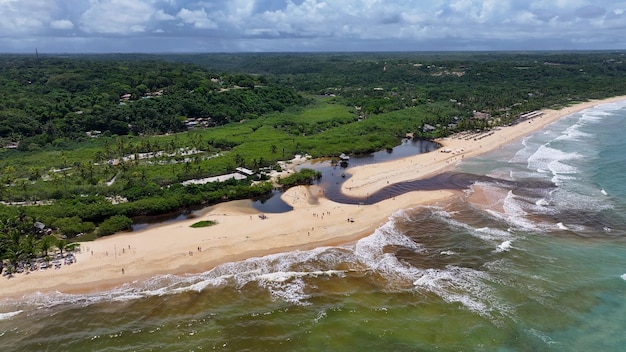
(440, 212)
(604, 192)
(503, 247)
(286, 276)
(282, 276)
(9, 315)
(617, 105)
(453, 284)
(623, 277)
(292, 291)
(488, 234)
(574, 133)
(575, 200)
(595, 114)
(462, 285)
(515, 214)
(370, 252)
(370, 249)
(548, 158)
(274, 273)
(561, 226)
(543, 337)
(527, 150)
(320, 315)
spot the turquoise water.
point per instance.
(542, 270)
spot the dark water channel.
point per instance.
(334, 174)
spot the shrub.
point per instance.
(114, 224)
(204, 223)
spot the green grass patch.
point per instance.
(204, 223)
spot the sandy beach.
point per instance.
(240, 233)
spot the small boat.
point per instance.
(343, 160)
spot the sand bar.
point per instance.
(240, 233)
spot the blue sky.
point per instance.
(89, 26)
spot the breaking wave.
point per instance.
(292, 277)
(9, 315)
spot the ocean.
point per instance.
(530, 258)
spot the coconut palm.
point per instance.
(46, 243)
(61, 244)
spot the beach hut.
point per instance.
(244, 171)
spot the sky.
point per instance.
(164, 26)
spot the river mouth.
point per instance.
(333, 175)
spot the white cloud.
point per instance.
(197, 18)
(61, 24)
(23, 17)
(116, 16)
(321, 24)
(160, 15)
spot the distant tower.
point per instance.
(36, 54)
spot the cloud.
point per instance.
(24, 17)
(123, 16)
(590, 11)
(197, 18)
(61, 24)
(160, 15)
(304, 25)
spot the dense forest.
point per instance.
(50, 99)
(484, 81)
(92, 141)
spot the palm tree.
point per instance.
(34, 173)
(61, 244)
(28, 245)
(82, 168)
(23, 185)
(90, 170)
(143, 175)
(54, 177)
(9, 174)
(46, 243)
(98, 157)
(123, 165)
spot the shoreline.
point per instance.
(240, 233)
(367, 179)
